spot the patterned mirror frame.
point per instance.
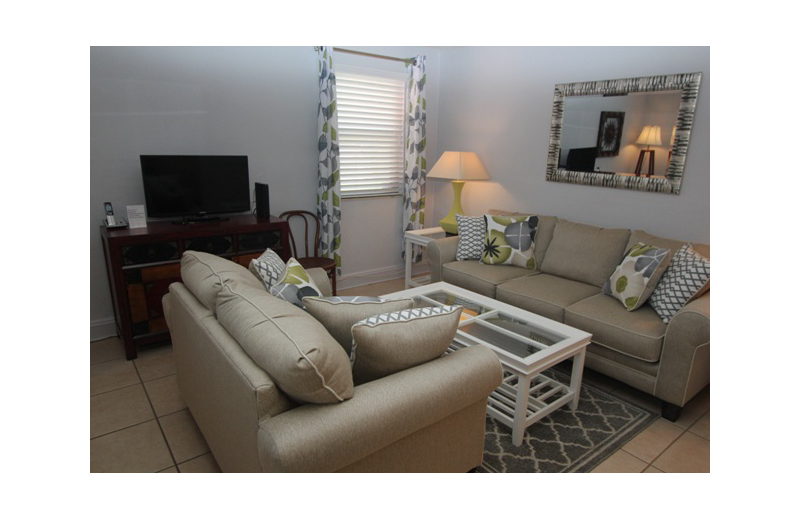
(688, 84)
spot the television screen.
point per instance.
(195, 185)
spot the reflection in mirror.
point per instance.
(630, 133)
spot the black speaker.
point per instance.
(262, 200)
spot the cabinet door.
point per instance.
(259, 242)
(146, 287)
(220, 246)
(149, 253)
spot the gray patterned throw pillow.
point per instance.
(269, 267)
(686, 275)
(471, 232)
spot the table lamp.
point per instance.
(458, 167)
(650, 136)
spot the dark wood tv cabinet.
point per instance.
(143, 262)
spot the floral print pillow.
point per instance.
(510, 240)
(295, 284)
(637, 275)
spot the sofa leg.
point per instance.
(670, 412)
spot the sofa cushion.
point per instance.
(205, 274)
(338, 314)
(584, 253)
(544, 294)
(480, 278)
(639, 334)
(287, 343)
(388, 343)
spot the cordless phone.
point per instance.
(110, 220)
(109, 215)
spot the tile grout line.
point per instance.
(158, 422)
(684, 432)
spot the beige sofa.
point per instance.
(669, 361)
(429, 418)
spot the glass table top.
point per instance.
(485, 324)
(471, 308)
(510, 334)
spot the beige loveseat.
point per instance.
(669, 361)
(429, 418)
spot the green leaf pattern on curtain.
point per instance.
(328, 187)
(415, 167)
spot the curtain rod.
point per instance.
(379, 56)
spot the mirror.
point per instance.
(624, 133)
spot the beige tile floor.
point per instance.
(139, 423)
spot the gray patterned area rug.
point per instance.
(567, 441)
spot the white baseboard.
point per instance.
(383, 274)
(102, 329)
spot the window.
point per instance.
(371, 109)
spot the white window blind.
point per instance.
(371, 110)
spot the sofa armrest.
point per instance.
(320, 277)
(226, 392)
(685, 358)
(441, 251)
(330, 437)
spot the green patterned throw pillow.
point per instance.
(510, 240)
(295, 284)
(637, 275)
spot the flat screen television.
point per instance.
(195, 186)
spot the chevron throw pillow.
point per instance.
(471, 232)
(687, 274)
(269, 267)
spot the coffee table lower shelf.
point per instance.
(544, 396)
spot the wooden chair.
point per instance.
(311, 258)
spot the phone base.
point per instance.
(120, 224)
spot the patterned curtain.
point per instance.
(328, 188)
(415, 166)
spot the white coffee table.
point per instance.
(526, 344)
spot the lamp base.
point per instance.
(651, 166)
(448, 223)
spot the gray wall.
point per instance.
(254, 101)
(261, 102)
(497, 101)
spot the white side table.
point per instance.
(420, 237)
